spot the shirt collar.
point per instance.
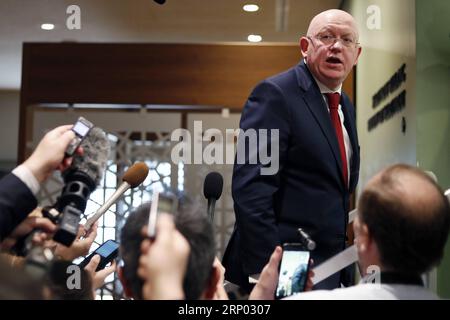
(323, 88)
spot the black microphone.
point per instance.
(160, 1)
(306, 240)
(212, 189)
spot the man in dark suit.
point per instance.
(318, 155)
(19, 188)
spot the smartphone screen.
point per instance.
(108, 251)
(166, 204)
(161, 203)
(107, 248)
(293, 271)
(81, 128)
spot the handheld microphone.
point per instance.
(306, 240)
(212, 189)
(133, 177)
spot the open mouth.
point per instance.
(334, 60)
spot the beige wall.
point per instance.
(384, 51)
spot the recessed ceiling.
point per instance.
(177, 21)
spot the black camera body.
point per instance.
(70, 206)
(66, 214)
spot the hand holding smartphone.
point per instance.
(294, 269)
(108, 251)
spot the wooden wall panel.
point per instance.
(184, 74)
(175, 74)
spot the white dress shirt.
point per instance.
(27, 177)
(369, 291)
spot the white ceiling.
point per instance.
(177, 21)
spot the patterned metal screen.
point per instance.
(133, 139)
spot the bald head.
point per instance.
(332, 17)
(408, 217)
(331, 47)
(411, 186)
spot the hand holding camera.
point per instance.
(50, 152)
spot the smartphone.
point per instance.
(293, 271)
(81, 129)
(108, 251)
(160, 203)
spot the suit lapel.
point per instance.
(316, 104)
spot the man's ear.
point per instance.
(211, 287)
(122, 279)
(304, 44)
(357, 55)
(362, 235)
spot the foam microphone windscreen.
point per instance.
(212, 188)
(136, 174)
(93, 162)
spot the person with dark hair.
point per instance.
(164, 261)
(191, 221)
(401, 230)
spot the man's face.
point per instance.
(329, 59)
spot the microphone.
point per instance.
(133, 177)
(212, 189)
(160, 1)
(306, 240)
(81, 179)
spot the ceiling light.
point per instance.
(47, 26)
(250, 8)
(254, 38)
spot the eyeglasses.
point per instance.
(328, 40)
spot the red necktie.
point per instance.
(333, 104)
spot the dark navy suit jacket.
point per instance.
(16, 202)
(308, 191)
